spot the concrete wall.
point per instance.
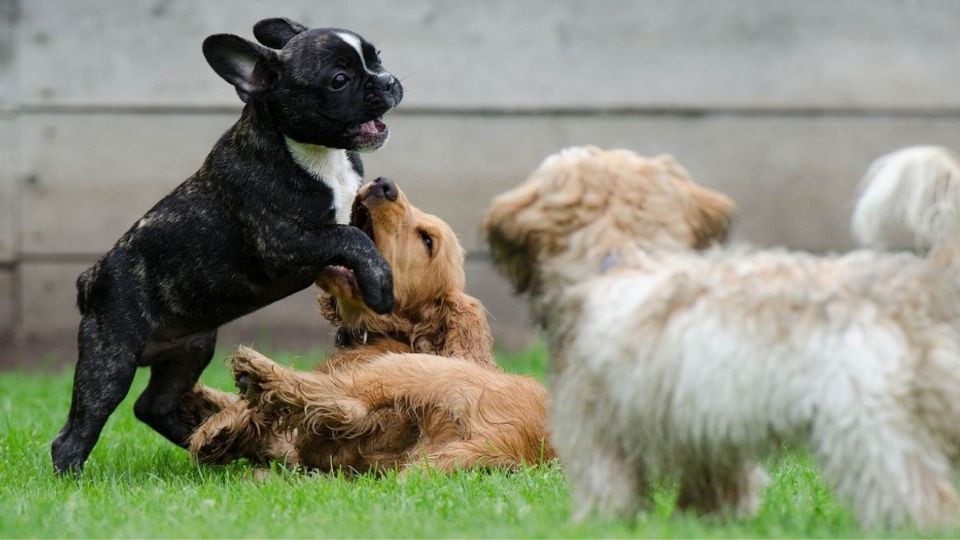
(105, 105)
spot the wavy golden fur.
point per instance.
(462, 415)
(451, 407)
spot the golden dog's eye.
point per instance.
(427, 242)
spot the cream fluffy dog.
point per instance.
(671, 360)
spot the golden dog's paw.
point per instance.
(211, 443)
(253, 373)
(201, 402)
(232, 434)
(263, 384)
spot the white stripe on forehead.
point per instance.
(354, 42)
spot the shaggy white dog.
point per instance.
(673, 359)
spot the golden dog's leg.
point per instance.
(462, 455)
(340, 402)
(469, 426)
(295, 400)
(202, 402)
(233, 433)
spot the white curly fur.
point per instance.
(909, 199)
(695, 365)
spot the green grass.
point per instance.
(138, 485)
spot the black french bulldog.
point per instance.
(267, 210)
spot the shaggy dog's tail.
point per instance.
(910, 199)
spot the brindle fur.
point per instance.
(248, 228)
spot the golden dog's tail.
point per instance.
(910, 199)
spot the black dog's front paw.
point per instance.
(376, 284)
(68, 456)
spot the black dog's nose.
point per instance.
(384, 187)
(382, 81)
(386, 80)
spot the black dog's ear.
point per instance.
(276, 32)
(249, 67)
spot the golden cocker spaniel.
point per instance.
(373, 404)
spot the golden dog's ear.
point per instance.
(709, 219)
(456, 326)
(468, 333)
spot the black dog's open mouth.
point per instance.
(372, 128)
(371, 135)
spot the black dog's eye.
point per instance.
(339, 81)
(427, 242)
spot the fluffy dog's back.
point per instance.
(696, 364)
(910, 199)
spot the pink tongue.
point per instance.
(372, 127)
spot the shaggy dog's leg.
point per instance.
(202, 402)
(714, 488)
(886, 466)
(603, 480)
(233, 433)
(606, 484)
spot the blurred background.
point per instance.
(106, 105)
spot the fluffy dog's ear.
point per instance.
(249, 67)
(512, 244)
(710, 216)
(512, 259)
(276, 32)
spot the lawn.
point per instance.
(137, 484)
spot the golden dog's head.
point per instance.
(431, 304)
(423, 251)
(584, 206)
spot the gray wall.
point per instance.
(105, 105)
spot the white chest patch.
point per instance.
(332, 167)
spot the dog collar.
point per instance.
(610, 260)
(346, 338)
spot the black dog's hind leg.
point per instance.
(173, 373)
(105, 370)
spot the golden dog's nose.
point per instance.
(384, 187)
